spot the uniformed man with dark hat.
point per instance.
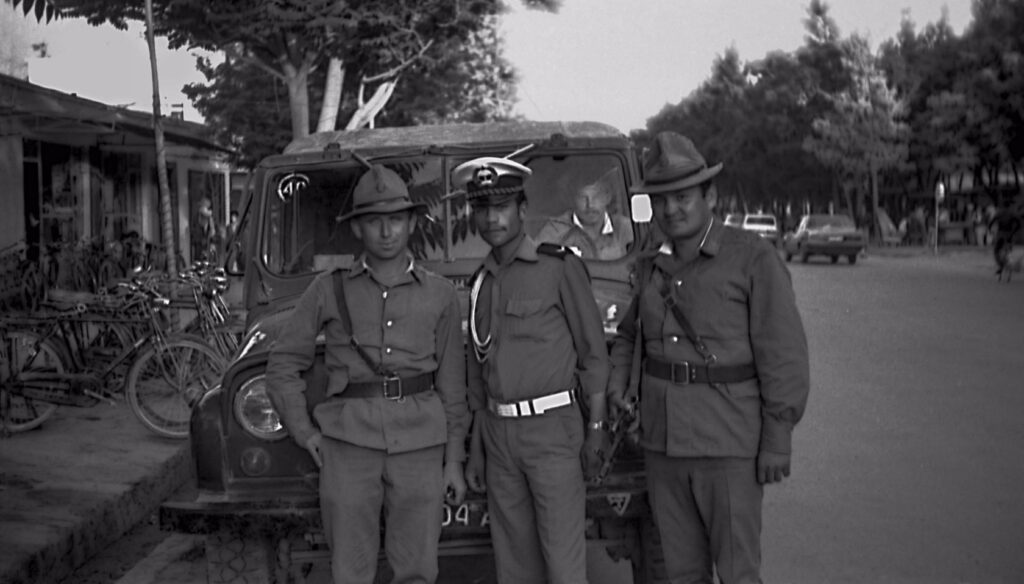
(724, 372)
(537, 346)
(391, 433)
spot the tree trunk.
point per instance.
(298, 98)
(166, 222)
(364, 116)
(332, 96)
(876, 227)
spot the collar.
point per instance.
(606, 229)
(710, 243)
(526, 251)
(360, 267)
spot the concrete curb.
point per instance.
(73, 487)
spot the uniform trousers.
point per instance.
(356, 483)
(536, 497)
(708, 513)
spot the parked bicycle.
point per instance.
(64, 358)
(213, 319)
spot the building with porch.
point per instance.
(76, 171)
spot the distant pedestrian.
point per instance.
(206, 235)
(724, 372)
(977, 219)
(1004, 227)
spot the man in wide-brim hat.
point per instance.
(723, 370)
(391, 433)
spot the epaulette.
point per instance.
(554, 250)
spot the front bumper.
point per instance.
(837, 248)
(622, 497)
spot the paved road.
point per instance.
(908, 466)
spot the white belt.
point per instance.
(531, 407)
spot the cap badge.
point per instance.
(485, 176)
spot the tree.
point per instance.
(244, 107)
(993, 85)
(372, 41)
(863, 133)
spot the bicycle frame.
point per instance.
(66, 331)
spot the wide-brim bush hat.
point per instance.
(673, 164)
(490, 180)
(380, 190)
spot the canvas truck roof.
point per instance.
(453, 136)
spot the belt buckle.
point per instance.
(687, 373)
(506, 410)
(387, 383)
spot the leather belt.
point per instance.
(532, 407)
(393, 388)
(685, 373)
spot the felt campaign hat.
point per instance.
(673, 164)
(379, 190)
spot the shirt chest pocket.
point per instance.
(527, 318)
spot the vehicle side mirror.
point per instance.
(640, 208)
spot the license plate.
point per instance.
(465, 515)
(836, 238)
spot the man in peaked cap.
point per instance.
(538, 347)
(724, 372)
(391, 432)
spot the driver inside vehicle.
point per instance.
(591, 228)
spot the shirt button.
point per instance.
(384, 294)
(388, 350)
(675, 339)
(679, 282)
(389, 323)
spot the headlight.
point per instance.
(255, 413)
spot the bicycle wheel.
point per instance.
(165, 381)
(18, 413)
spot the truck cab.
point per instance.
(257, 490)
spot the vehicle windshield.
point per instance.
(569, 198)
(760, 220)
(829, 221)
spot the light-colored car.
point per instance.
(829, 235)
(762, 224)
(734, 219)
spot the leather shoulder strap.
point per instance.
(346, 323)
(553, 250)
(680, 316)
(339, 293)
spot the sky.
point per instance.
(613, 61)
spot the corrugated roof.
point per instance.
(41, 109)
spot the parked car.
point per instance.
(829, 235)
(257, 501)
(762, 224)
(734, 219)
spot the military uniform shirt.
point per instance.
(545, 327)
(411, 328)
(739, 298)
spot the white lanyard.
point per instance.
(480, 348)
